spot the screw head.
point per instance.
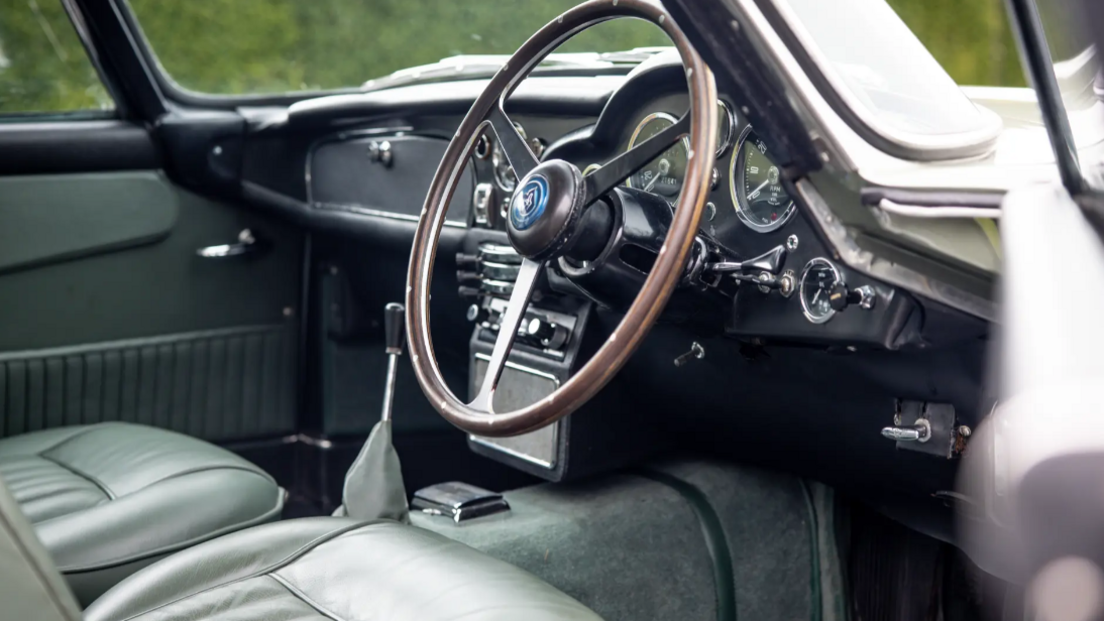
(792, 243)
(965, 431)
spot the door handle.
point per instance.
(246, 244)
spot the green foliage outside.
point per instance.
(274, 46)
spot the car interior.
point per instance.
(707, 331)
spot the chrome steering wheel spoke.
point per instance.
(518, 154)
(615, 171)
(507, 331)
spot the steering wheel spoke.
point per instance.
(521, 157)
(507, 331)
(615, 171)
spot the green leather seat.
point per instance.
(311, 569)
(109, 499)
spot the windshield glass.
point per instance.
(237, 47)
(885, 68)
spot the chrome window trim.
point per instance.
(894, 142)
(938, 211)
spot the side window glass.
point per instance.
(43, 66)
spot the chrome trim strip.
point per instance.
(939, 211)
(368, 211)
(863, 261)
(512, 453)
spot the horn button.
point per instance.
(545, 210)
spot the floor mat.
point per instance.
(684, 540)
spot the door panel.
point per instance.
(110, 314)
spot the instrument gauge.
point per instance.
(817, 280)
(663, 175)
(761, 201)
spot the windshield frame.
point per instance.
(783, 20)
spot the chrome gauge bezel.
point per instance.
(801, 289)
(640, 127)
(725, 139)
(739, 202)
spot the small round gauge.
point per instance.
(664, 174)
(817, 280)
(726, 127)
(503, 173)
(761, 201)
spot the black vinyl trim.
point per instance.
(715, 541)
(120, 59)
(44, 147)
(1039, 67)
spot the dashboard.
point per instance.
(757, 354)
(751, 212)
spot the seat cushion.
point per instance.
(334, 568)
(108, 499)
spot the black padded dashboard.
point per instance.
(326, 178)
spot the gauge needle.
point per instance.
(816, 296)
(664, 168)
(756, 190)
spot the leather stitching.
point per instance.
(322, 610)
(307, 547)
(84, 475)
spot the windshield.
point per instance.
(885, 67)
(238, 47)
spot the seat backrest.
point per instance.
(31, 588)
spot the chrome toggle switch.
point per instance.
(920, 431)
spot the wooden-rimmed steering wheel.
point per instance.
(545, 212)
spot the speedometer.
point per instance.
(664, 174)
(761, 201)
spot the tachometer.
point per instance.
(761, 201)
(664, 175)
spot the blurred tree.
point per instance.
(43, 66)
(971, 39)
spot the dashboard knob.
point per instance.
(477, 314)
(840, 297)
(540, 329)
(548, 334)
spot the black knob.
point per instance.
(840, 297)
(477, 314)
(394, 316)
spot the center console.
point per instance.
(555, 338)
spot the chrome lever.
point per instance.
(247, 244)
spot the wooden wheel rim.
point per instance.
(660, 283)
